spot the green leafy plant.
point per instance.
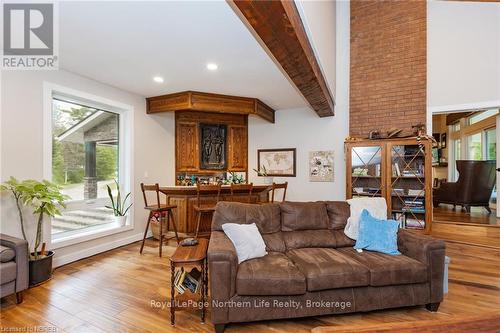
(44, 197)
(118, 205)
(261, 172)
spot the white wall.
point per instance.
(319, 19)
(304, 130)
(22, 147)
(21, 139)
(463, 45)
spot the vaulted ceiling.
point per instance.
(126, 44)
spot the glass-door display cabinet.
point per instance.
(399, 170)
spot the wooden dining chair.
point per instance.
(201, 208)
(160, 209)
(244, 191)
(275, 187)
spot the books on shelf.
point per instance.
(187, 281)
(412, 223)
(415, 210)
(416, 193)
(398, 171)
(407, 221)
(358, 190)
(377, 170)
(396, 191)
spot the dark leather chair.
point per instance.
(473, 188)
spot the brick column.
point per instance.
(388, 68)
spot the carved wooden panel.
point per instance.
(188, 137)
(187, 153)
(238, 148)
(213, 144)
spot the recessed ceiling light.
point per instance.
(158, 79)
(212, 66)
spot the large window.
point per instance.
(474, 147)
(491, 144)
(479, 116)
(85, 160)
(457, 153)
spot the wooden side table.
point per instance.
(190, 257)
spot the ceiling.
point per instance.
(126, 44)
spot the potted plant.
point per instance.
(262, 172)
(45, 198)
(118, 205)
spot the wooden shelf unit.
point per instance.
(389, 168)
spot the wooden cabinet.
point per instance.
(187, 147)
(237, 148)
(399, 170)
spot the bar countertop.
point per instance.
(191, 190)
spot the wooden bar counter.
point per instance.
(185, 198)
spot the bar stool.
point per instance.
(200, 208)
(279, 186)
(160, 209)
(244, 189)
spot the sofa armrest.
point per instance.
(428, 251)
(222, 265)
(20, 246)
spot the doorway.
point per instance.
(464, 167)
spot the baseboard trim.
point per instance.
(91, 251)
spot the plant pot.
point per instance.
(267, 180)
(41, 269)
(122, 220)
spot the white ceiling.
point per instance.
(125, 44)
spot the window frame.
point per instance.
(125, 154)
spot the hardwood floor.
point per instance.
(115, 292)
(478, 215)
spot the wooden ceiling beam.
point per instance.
(277, 25)
(207, 102)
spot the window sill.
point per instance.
(88, 235)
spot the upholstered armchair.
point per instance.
(473, 187)
(14, 274)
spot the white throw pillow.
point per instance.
(246, 239)
(377, 207)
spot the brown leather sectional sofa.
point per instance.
(311, 268)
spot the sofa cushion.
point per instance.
(246, 239)
(274, 242)
(6, 254)
(377, 235)
(303, 216)
(308, 238)
(387, 269)
(338, 213)
(267, 217)
(326, 268)
(8, 271)
(274, 274)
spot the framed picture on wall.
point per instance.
(279, 162)
(321, 166)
